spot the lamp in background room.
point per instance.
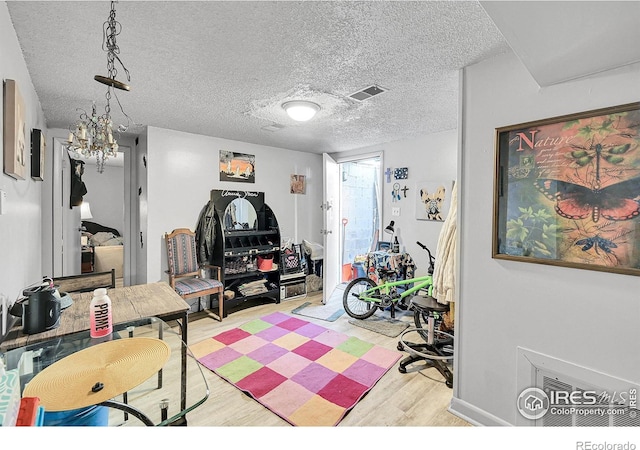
(85, 211)
(93, 135)
(390, 229)
(301, 110)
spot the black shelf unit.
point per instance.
(240, 244)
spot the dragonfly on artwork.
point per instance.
(596, 242)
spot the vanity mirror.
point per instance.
(240, 215)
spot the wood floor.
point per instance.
(418, 398)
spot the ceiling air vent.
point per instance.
(367, 93)
(273, 127)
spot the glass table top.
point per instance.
(164, 399)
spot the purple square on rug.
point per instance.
(314, 377)
(267, 353)
(364, 372)
(343, 391)
(261, 381)
(311, 350)
(272, 333)
(310, 330)
(219, 358)
(275, 318)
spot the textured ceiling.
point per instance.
(223, 68)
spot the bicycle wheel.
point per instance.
(356, 308)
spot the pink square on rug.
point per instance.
(231, 336)
(248, 344)
(286, 398)
(220, 357)
(289, 364)
(343, 391)
(381, 356)
(331, 338)
(311, 350)
(267, 353)
(314, 377)
(292, 324)
(260, 382)
(364, 372)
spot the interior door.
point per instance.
(71, 235)
(331, 226)
(65, 239)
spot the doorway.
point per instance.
(110, 206)
(360, 200)
(352, 203)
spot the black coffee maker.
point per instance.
(39, 309)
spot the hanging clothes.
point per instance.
(78, 188)
(206, 234)
(445, 263)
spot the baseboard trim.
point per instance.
(474, 415)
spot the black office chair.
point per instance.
(436, 350)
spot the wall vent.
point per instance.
(367, 92)
(573, 395)
(604, 407)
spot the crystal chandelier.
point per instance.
(93, 135)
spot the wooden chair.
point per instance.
(185, 273)
(86, 282)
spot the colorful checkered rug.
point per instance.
(307, 374)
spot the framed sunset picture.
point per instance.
(239, 167)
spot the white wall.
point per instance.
(429, 158)
(586, 318)
(20, 226)
(182, 169)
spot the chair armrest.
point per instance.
(214, 270)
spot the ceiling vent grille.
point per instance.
(274, 127)
(367, 92)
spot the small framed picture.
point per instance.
(15, 136)
(38, 146)
(298, 184)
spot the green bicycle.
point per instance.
(363, 297)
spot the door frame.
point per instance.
(334, 264)
(63, 218)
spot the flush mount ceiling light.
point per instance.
(301, 110)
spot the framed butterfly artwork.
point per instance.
(567, 191)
